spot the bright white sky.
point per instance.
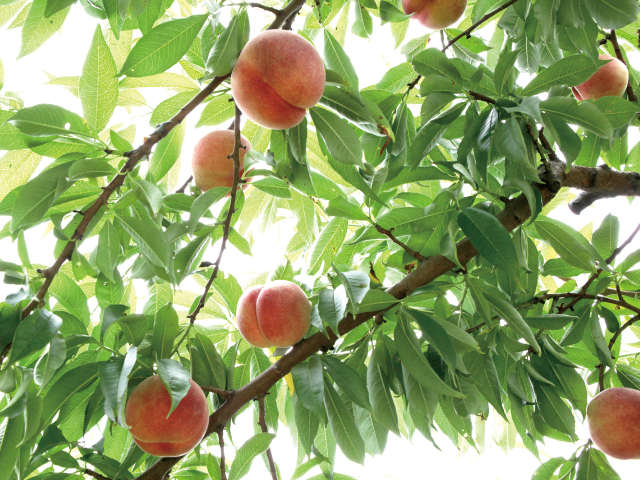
(64, 54)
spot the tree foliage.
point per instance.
(422, 236)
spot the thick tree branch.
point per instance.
(486, 17)
(263, 426)
(598, 183)
(227, 222)
(613, 38)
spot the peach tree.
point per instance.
(417, 212)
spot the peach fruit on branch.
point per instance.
(159, 431)
(277, 77)
(274, 315)
(211, 163)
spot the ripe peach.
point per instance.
(614, 422)
(278, 75)
(609, 81)
(435, 14)
(274, 315)
(210, 161)
(146, 413)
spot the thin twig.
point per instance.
(218, 391)
(477, 327)
(547, 145)
(263, 426)
(613, 38)
(392, 237)
(482, 97)
(612, 342)
(581, 294)
(589, 296)
(601, 378)
(622, 246)
(186, 184)
(534, 136)
(227, 222)
(486, 17)
(626, 325)
(275, 11)
(223, 468)
(583, 291)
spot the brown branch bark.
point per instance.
(613, 38)
(598, 183)
(263, 426)
(227, 222)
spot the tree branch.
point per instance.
(291, 9)
(598, 183)
(227, 222)
(613, 38)
(486, 17)
(263, 426)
